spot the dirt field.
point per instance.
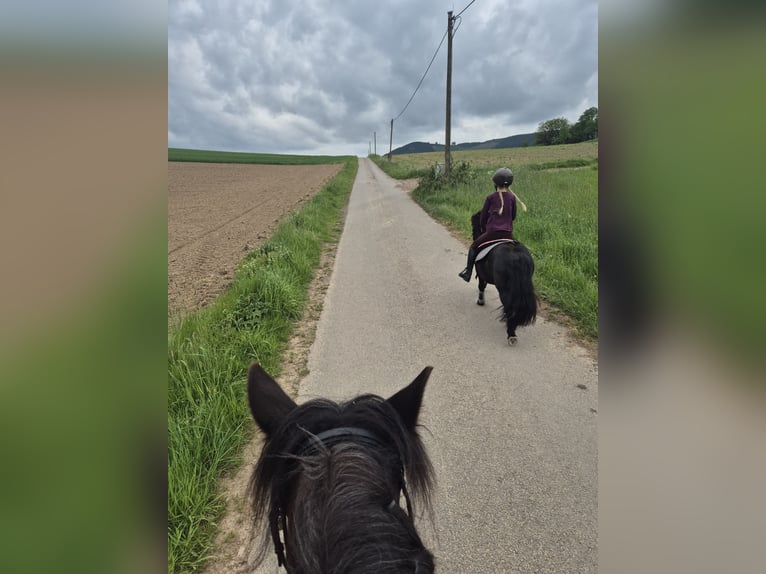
(218, 212)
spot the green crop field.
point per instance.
(494, 158)
(177, 154)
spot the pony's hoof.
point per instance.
(480, 300)
(513, 340)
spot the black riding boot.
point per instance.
(465, 274)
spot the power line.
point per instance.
(464, 9)
(455, 29)
(424, 75)
(451, 19)
(457, 17)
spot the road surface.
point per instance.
(512, 431)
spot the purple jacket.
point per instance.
(491, 220)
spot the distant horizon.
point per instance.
(342, 154)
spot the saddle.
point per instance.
(488, 246)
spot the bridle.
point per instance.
(326, 439)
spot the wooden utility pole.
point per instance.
(447, 130)
(375, 140)
(391, 139)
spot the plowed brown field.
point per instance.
(218, 212)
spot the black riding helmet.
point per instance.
(503, 177)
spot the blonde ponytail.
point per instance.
(518, 199)
(502, 203)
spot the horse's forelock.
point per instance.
(342, 505)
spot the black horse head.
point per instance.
(331, 475)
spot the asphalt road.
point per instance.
(511, 431)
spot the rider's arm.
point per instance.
(484, 215)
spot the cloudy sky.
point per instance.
(322, 76)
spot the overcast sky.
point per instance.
(320, 76)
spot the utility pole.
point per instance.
(391, 139)
(375, 140)
(448, 135)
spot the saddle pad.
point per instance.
(489, 247)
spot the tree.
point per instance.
(551, 132)
(586, 128)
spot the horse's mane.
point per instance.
(338, 496)
(475, 225)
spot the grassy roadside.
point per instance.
(208, 355)
(560, 190)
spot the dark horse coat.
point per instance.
(509, 267)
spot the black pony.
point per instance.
(330, 478)
(509, 267)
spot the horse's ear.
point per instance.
(268, 402)
(408, 400)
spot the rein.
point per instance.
(328, 438)
(340, 434)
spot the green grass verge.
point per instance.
(402, 169)
(561, 230)
(178, 154)
(208, 355)
(561, 224)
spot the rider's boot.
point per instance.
(465, 274)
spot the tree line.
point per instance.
(560, 131)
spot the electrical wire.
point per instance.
(454, 30)
(459, 21)
(423, 78)
(464, 9)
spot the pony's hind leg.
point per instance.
(510, 323)
(482, 286)
(512, 338)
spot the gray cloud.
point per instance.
(320, 76)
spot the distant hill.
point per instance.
(512, 141)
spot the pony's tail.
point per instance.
(518, 293)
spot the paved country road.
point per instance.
(512, 431)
